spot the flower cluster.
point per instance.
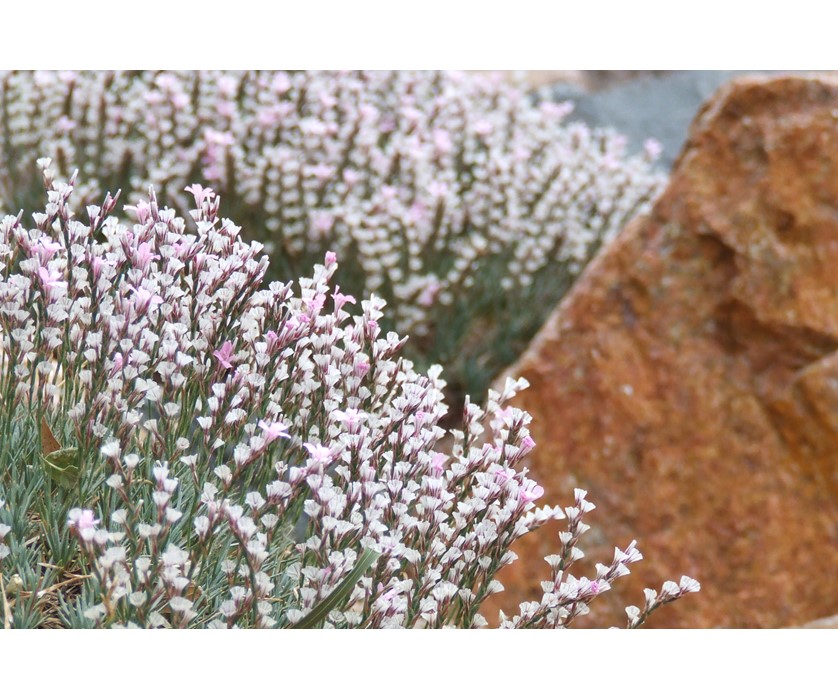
(452, 196)
(182, 445)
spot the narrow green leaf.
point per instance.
(341, 591)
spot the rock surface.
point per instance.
(689, 381)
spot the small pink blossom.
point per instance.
(143, 255)
(503, 475)
(361, 368)
(142, 210)
(442, 141)
(280, 84)
(351, 177)
(331, 258)
(351, 418)
(533, 493)
(319, 453)
(316, 304)
(64, 124)
(218, 138)
(652, 149)
(118, 363)
(273, 430)
(527, 445)
(438, 464)
(556, 110)
(45, 248)
(51, 279)
(224, 354)
(144, 300)
(417, 213)
(96, 265)
(200, 193)
(322, 221)
(437, 189)
(322, 171)
(428, 295)
(82, 519)
(483, 127)
(180, 100)
(341, 299)
(268, 117)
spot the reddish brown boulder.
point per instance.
(689, 381)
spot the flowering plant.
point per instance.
(452, 196)
(182, 445)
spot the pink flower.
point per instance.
(322, 221)
(503, 475)
(483, 128)
(118, 363)
(341, 299)
(144, 299)
(331, 258)
(65, 125)
(218, 138)
(81, 519)
(315, 304)
(45, 248)
(556, 110)
(180, 100)
(294, 322)
(224, 354)
(426, 298)
(527, 445)
(273, 430)
(533, 493)
(143, 255)
(142, 210)
(96, 265)
(267, 117)
(200, 193)
(361, 368)
(319, 453)
(322, 171)
(438, 189)
(417, 213)
(281, 84)
(438, 464)
(505, 414)
(87, 519)
(351, 177)
(51, 279)
(272, 339)
(351, 417)
(652, 149)
(442, 141)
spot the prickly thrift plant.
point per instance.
(183, 445)
(453, 197)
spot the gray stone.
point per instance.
(658, 106)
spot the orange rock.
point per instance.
(689, 381)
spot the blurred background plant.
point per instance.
(183, 446)
(455, 197)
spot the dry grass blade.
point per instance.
(7, 610)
